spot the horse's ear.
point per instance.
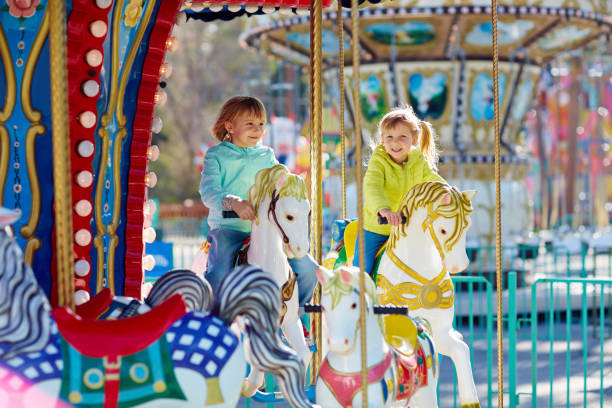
(346, 275)
(469, 194)
(281, 181)
(323, 274)
(303, 175)
(446, 199)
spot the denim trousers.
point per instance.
(223, 246)
(373, 243)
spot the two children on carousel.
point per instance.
(405, 156)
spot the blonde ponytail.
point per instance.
(427, 144)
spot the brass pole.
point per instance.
(316, 132)
(358, 176)
(61, 155)
(341, 113)
(498, 259)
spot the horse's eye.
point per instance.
(443, 231)
(354, 306)
(290, 217)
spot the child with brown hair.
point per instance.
(229, 171)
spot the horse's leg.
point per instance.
(324, 396)
(252, 382)
(294, 332)
(450, 342)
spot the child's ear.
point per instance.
(229, 126)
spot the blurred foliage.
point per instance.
(208, 67)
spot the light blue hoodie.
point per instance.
(230, 170)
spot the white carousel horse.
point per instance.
(279, 232)
(166, 357)
(401, 371)
(414, 269)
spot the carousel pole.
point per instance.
(316, 197)
(61, 155)
(498, 257)
(341, 113)
(359, 177)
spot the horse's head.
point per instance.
(279, 197)
(340, 304)
(442, 212)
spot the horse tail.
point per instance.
(196, 292)
(25, 325)
(249, 292)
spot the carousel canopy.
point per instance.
(226, 10)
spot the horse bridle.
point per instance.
(272, 209)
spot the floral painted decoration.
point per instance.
(132, 13)
(22, 9)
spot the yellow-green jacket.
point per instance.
(386, 183)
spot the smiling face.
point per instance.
(246, 130)
(398, 140)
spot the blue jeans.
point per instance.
(223, 246)
(373, 243)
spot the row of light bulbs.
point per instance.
(85, 148)
(161, 97)
(90, 88)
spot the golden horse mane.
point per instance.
(266, 182)
(459, 206)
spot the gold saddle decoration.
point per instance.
(424, 293)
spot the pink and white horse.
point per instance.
(402, 370)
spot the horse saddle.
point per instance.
(96, 306)
(350, 242)
(118, 337)
(401, 333)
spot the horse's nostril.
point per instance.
(345, 341)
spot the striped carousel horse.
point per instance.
(165, 357)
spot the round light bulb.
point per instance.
(81, 268)
(197, 7)
(165, 70)
(181, 17)
(171, 43)
(98, 28)
(153, 152)
(90, 88)
(93, 58)
(85, 148)
(84, 178)
(161, 97)
(82, 237)
(149, 235)
(152, 206)
(87, 119)
(83, 208)
(151, 179)
(148, 262)
(80, 297)
(103, 3)
(156, 124)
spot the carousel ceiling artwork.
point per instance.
(437, 57)
(451, 83)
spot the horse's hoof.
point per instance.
(471, 405)
(248, 389)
